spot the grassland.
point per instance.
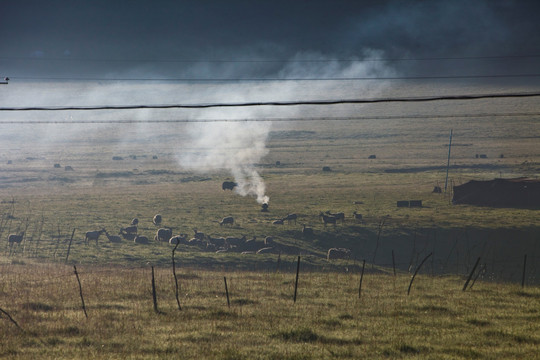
(328, 319)
(126, 171)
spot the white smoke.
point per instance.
(237, 146)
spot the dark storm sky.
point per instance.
(124, 38)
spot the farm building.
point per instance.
(499, 192)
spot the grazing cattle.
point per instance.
(163, 234)
(228, 185)
(289, 218)
(140, 239)
(339, 216)
(227, 220)
(157, 220)
(328, 219)
(307, 231)
(93, 235)
(357, 216)
(338, 253)
(113, 238)
(178, 239)
(15, 238)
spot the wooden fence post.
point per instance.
(80, 291)
(175, 277)
(524, 269)
(227, 291)
(296, 282)
(154, 295)
(69, 246)
(471, 274)
(394, 262)
(361, 278)
(416, 272)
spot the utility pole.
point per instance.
(448, 164)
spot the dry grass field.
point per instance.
(135, 169)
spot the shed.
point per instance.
(517, 192)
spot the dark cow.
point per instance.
(228, 185)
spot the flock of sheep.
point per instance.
(206, 242)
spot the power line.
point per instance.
(69, 58)
(282, 119)
(360, 78)
(276, 103)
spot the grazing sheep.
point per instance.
(127, 236)
(338, 253)
(129, 230)
(268, 240)
(113, 238)
(234, 241)
(199, 235)
(218, 242)
(278, 222)
(307, 231)
(178, 239)
(93, 235)
(266, 250)
(227, 220)
(163, 234)
(357, 216)
(228, 185)
(135, 222)
(327, 219)
(289, 218)
(339, 216)
(140, 239)
(157, 220)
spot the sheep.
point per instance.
(328, 219)
(178, 239)
(113, 238)
(289, 218)
(338, 216)
(157, 219)
(357, 216)
(93, 235)
(140, 239)
(127, 236)
(252, 245)
(338, 253)
(234, 241)
(135, 221)
(199, 235)
(266, 250)
(129, 230)
(307, 231)
(228, 185)
(163, 234)
(268, 240)
(278, 222)
(227, 220)
(218, 242)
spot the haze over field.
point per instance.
(103, 53)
